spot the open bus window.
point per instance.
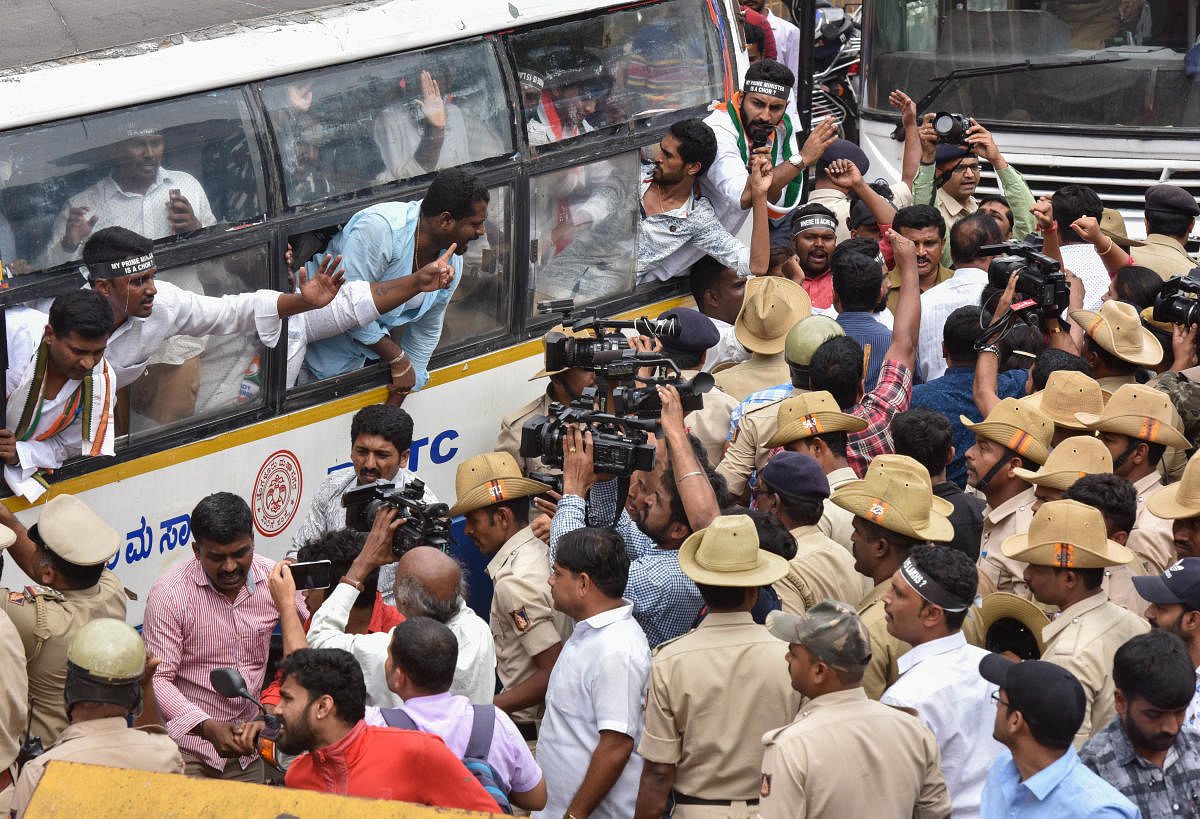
(587, 74)
(479, 307)
(350, 127)
(161, 170)
(190, 377)
(583, 230)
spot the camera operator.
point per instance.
(1170, 217)
(950, 173)
(680, 495)
(565, 386)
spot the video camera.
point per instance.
(426, 524)
(596, 352)
(951, 128)
(619, 444)
(1178, 300)
(1039, 278)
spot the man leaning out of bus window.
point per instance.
(387, 242)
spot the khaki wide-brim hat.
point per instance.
(1138, 411)
(1075, 457)
(1112, 225)
(1018, 426)
(1179, 500)
(1068, 392)
(488, 479)
(1147, 315)
(771, 308)
(566, 331)
(896, 493)
(809, 414)
(1066, 534)
(71, 530)
(1117, 328)
(1006, 606)
(726, 553)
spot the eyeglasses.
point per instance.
(967, 170)
(996, 699)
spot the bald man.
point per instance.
(429, 583)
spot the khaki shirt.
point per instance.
(821, 570)
(760, 372)
(845, 756)
(1083, 640)
(711, 423)
(837, 523)
(64, 612)
(893, 297)
(837, 202)
(1164, 255)
(997, 572)
(885, 649)
(727, 672)
(1118, 585)
(523, 619)
(14, 692)
(107, 742)
(1152, 540)
(747, 452)
(509, 439)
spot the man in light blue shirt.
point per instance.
(420, 246)
(1039, 707)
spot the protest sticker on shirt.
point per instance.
(276, 493)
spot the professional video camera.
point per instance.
(426, 524)
(644, 402)
(1039, 278)
(1178, 300)
(951, 128)
(586, 352)
(619, 444)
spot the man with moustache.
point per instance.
(926, 228)
(814, 236)
(1174, 598)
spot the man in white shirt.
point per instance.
(719, 292)
(594, 701)
(964, 288)
(939, 676)
(1070, 202)
(428, 584)
(138, 194)
(787, 35)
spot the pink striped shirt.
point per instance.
(194, 628)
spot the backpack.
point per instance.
(483, 724)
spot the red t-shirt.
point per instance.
(384, 618)
(389, 763)
(820, 290)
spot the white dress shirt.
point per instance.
(787, 42)
(940, 680)
(598, 684)
(937, 303)
(475, 671)
(1083, 260)
(728, 348)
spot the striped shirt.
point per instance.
(193, 628)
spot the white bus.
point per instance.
(1110, 104)
(288, 125)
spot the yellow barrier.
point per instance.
(96, 792)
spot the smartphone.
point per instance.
(314, 575)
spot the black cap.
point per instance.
(949, 153)
(795, 474)
(1171, 198)
(696, 331)
(1178, 584)
(845, 149)
(860, 215)
(1048, 696)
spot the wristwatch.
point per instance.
(798, 161)
(991, 348)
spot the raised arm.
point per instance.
(1112, 254)
(845, 173)
(907, 323)
(691, 481)
(912, 138)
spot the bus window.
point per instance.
(479, 307)
(161, 170)
(193, 377)
(586, 74)
(583, 230)
(346, 128)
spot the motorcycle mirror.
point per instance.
(228, 682)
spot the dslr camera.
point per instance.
(619, 444)
(1178, 300)
(1039, 278)
(426, 524)
(951, 128)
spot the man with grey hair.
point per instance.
(429, 583)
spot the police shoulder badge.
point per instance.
(16, 598)
(520, 619)
(765, 789)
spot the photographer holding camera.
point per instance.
(951, 149)
(680, 494)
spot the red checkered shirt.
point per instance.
(892, 394)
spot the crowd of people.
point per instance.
(930, 546)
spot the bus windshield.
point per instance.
(910, 42)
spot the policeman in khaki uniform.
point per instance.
(1180, 504)
(1068, 392)
(1004, 622)
(844, 755)
(812, 424)
(566, 383)
(1013, 434)
(1164, 253)
(1137, 423)
(106, 661)
(527, 629)
(701, 742)
(772, 306)
(14, 691)
(748, 449)
(894, 510)
(1067, 550)
(66, 550)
